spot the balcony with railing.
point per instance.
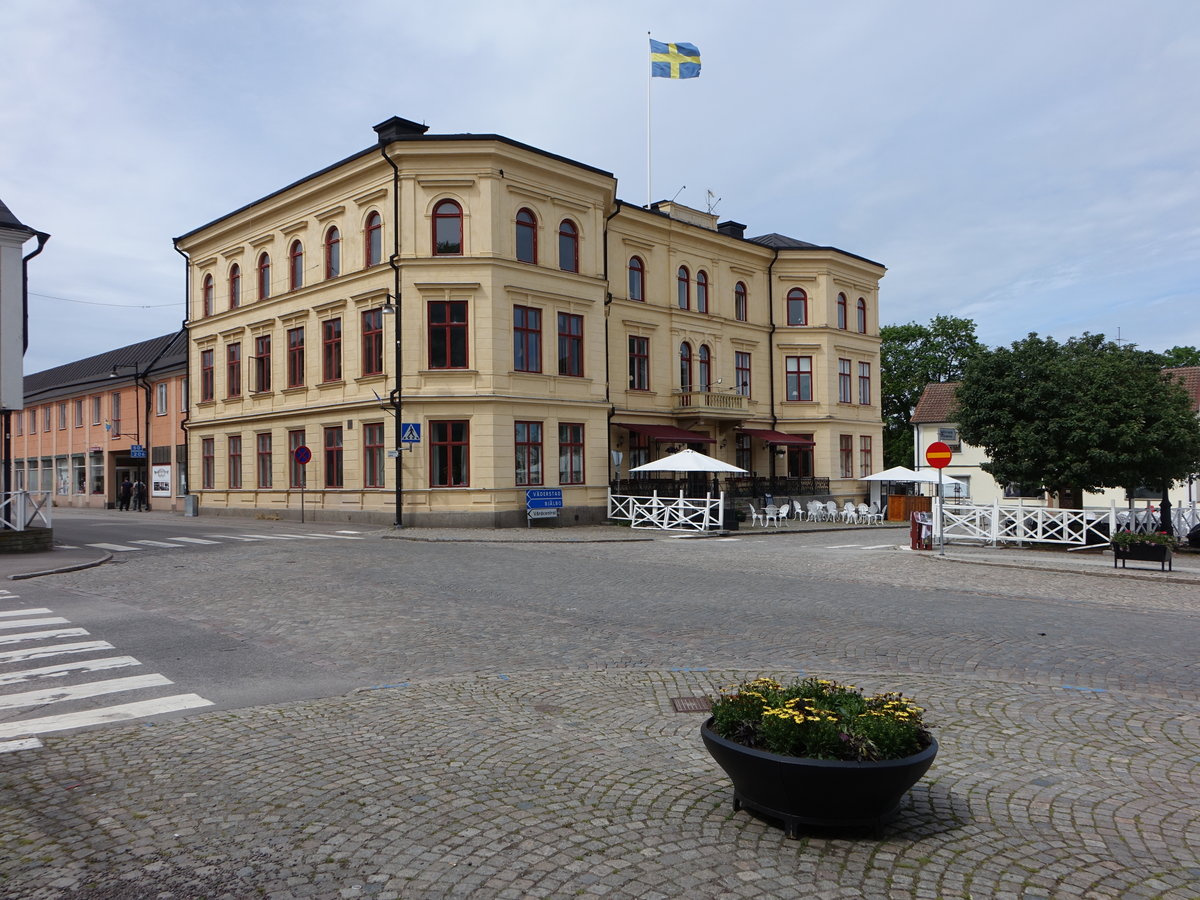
(711, 404)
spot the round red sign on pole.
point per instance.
(938, 455)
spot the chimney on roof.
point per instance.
(395, 128)
(733, 229)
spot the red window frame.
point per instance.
(639, 363)
(450, 453)
(334, 473)
(331, 350)
(568, 246)
(862, 315)
(235, 286)
(262, 363)
(845, 393)
(526, 236)
(701, 291)
(235, 462)
(448, 345)
(704, 368)
(570, 345)
(373, 240)
(372, 342)
(864, 383)
(296, 265)
(333, 252)
(740, 302)
(841, 311)
(686, 385)
(296, 477)
(527, 339)
(864, 456)
(527, 444)
(637, 279)
(741, 373)
(373, 468)
(798, 378)
(295, 357)
(264, 276)
(207, 295)
(570, 453)
(683, 289)
(846, 455)
(233, 370)
(448, 224)
(208, 467)
(797, 307)
(264, 461)
(206, 376)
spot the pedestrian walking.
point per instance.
(124, 493)
(139, 496)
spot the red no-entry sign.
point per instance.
(938, 455)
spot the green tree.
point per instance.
(1179, 356)
(1079, 416)
(912, 356)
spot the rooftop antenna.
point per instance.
(682, 188)
(713, 201)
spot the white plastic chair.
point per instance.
(849, 512)
(831, 512)
(771, 514)
(756, 518)
(872, 515)
(816, 511)
(785, 509)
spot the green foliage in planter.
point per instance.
(1126, 538)
(820, 719)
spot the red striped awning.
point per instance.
(777, 437)
(667, 433)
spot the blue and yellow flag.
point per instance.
(674, 60)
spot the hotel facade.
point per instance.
(450, 321)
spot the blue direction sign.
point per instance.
(137, 451)
(544, 498)
(410, 432)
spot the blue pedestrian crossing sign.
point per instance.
(410, 432)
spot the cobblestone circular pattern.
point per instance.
(589, 784)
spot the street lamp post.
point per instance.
(391, 307)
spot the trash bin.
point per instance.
(729, 518)
(191, 505)
(921, 531)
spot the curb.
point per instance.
(74, 567)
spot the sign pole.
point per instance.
(938, 455)
(940, 516)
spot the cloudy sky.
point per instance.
(1029, 165)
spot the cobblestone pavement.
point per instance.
(514, 736)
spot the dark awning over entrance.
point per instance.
(667, 433)
(777, 437)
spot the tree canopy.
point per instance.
(1179, 356)
(1080, 416)
(912, 356)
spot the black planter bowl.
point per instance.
(817, 792)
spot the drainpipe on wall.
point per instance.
(185, 422)
(395, 397)
(608, 298)
(771, 356)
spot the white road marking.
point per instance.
(28, 653)
(275, 537)
(119, 713)
(879, 547)
(42, 635)
(192, 540)
(27, 623)
(25, 744)
(842, 546)
(233, 537)
(349, 532)
(25, 612)
(59, 669)
(308, 537)
(148, 543)
(115, 548)
(81, 691)
(336, 537)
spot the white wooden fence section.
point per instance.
(668, 513)
(24, 509)
(998, 524)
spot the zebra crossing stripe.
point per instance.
(879, 547)
(192, 540)
(82, 691)
(42, 635)
(27, 653)
(80, 665)
(233, 537)
(29, 623)
(115, 548)
(25, 744)
(156, 544)
(25, 612)
(307, 537)
(274, 537)
(120, 713)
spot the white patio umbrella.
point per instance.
(896, 473)
(687, 461)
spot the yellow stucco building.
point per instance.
(524, 329)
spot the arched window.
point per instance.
(373, 239)
(685, 288)
(208, 295)
(705, 368)
(526, 236)
(841, 311)
(235, 286)
(447, 229)
(702, 291)
(740, 303)
(685, 367)
(637, 278)
(568, 246)
(862, 316)
(797, 307)
(296, 266)
(333, 252)
(264, 276)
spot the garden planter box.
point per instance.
(1159, 553)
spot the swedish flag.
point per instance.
(674, 60)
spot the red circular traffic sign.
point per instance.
(302, 455)
(938, 455)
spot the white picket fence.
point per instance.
(668, 513)
(21, 510)
(998, 524)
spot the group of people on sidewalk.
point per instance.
(132, 492)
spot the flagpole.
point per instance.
(649, 79)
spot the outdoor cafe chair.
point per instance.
(785, 510)
(831, 512)
(849, 512)
(816, 511)
(771, 514)
(756, 518)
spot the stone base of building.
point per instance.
(567, 517)
(31, 540)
